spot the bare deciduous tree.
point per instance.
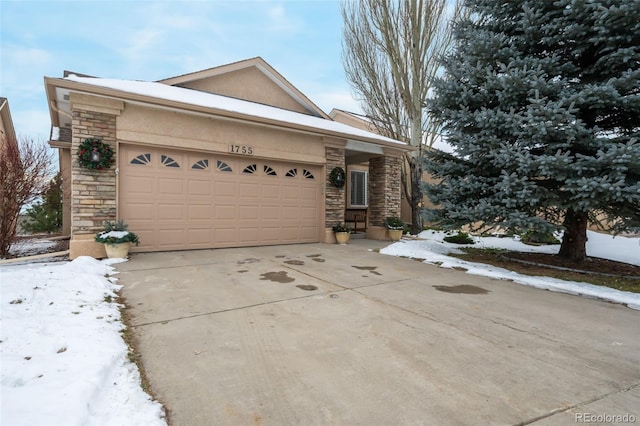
(391, 52)
(25, 168)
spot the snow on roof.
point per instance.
(224, 103)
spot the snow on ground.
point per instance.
(433, 249)
(63, 359)
(29, 246)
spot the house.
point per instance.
(7, 131)
(363, 122)
(229, 156)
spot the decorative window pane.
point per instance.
(201, 165)
(358, 193)
(307, 174)
(142, 159)
(269, 171)
(168, 161)
(292, 173)
(250, 169)
(222, 166)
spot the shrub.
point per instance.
(459, 238)
(116, 233)
(341, 228)
(24, 167)
(539, 238)
(394, 223)
(46, 215)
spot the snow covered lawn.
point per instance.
(63, 359)
(433, 249)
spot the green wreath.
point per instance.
(338, 177)
(86, 150)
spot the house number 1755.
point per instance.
(241, 149)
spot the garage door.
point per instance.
(177, 200)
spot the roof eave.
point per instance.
(233, 115)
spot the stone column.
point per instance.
(334, 197)
(93, 192)
(384, 193)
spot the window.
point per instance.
(269, 171)
(142, 159)
(358, 196)
(168, 161)
(222, 166)
(201, 165)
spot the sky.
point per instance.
(151, 40)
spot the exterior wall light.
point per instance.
(95, 155)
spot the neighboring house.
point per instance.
(230, 156)
(7, 131)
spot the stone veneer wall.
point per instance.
(93, 191)
(384, 189)
(334, 197)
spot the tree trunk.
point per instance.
(574, 242)
(416, 195)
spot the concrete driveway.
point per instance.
(321, 334)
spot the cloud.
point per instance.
(25, 56)
(280, 22)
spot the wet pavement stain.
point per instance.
(371, 269)
(243, 270)
(461, 289)
(277, 277)
(250, 260)
(307, 287)
(318, 259)
(280, 256)
(294, 262)
(314, 255)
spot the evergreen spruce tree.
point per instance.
(46, 215)
(541, 102)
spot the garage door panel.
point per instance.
(251, 190)
(199, 187)
(270, 191)
(209, 202)
(200, 237)
(199, 212)
(225, 212)
(141, 185)
(225, 189)
(170, 186)
(172, 212)
(247, 234)
(141, 212)
(225, 236)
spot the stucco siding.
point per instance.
(161, 127)
(249, 84)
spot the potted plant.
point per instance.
(395, 227)
(342, 233)
(117, 239)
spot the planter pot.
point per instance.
(120, 250)
(342, 237)
(395, 234)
